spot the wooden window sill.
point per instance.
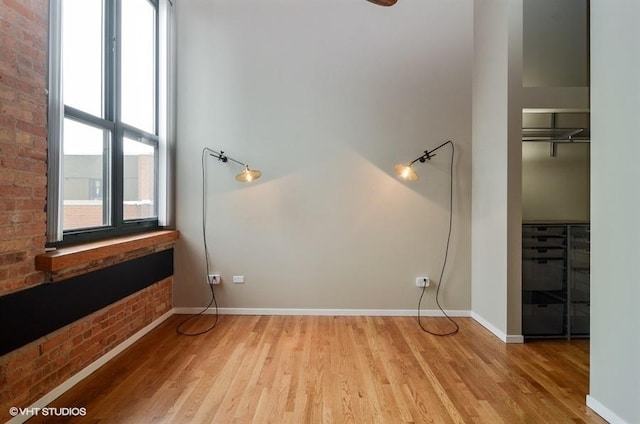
(72, 256)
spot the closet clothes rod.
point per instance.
(553, 143)
(554, 136)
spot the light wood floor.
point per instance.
(303, 369)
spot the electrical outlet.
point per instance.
(422, 282)
(238, 279)
(214, 279)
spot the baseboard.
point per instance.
(603, 411)
(85, 372)
(323, 312)
(507, 338)
(515, 339)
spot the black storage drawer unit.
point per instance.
(555, 280)
(580, 319)
(543, 252)
(543, 274)
(543, 230)
(543, 319)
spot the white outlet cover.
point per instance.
(238, 279)
(422, 281)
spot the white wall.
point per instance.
(324, 96)
(555, 43)
(496, 177)
(555, 55)
(615, 201)
(555, 188)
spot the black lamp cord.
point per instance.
(214, 302)
(205, 153)
(444, 262)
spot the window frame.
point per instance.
(113, 186)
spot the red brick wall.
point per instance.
(30, 372)
(23, 150)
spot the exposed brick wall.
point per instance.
(30, 372)
(23, 149)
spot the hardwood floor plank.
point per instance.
(320, 369)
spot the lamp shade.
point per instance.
(406, 172)
(384, 2)
(248, 175)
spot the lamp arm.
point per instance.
(428, 154)
(222, 157)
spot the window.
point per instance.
(104, 118)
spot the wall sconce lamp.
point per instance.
(247, 175)
(383, 2)
(406, 171)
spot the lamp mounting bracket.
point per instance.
(428, 154)
(221, 157)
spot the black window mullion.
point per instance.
(110, 94)
(118, 176)
(110, 60)
(87, 118)
(156, 171)
(138, 133)
(156, 165)
(107, 144)
(156, 47)
(118, 156)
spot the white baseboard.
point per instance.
(322, 312)
(507, 338)
(82, 374)
(514, 338)
(603, 411)
(355, 312)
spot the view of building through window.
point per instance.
(92, 105)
